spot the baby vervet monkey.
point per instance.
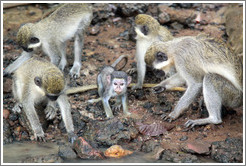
(112, 83)
(148, 31)
(203, 64)
(50, 34)
(37, 81)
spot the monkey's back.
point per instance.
(203, 54)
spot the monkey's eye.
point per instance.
(115, 83)
(34, 40)
(160, 56)
(145, 30)
(121, 84)
(38, 81)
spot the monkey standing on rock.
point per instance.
(38, 81)
(148, 31)
(50, 34)
(203, 64)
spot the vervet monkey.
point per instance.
(148, 31)
(37, 81)
(203, 64)
(113, 83)
(50, 34)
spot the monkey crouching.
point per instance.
(204, 64)
(38, 81)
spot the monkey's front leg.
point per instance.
(192, 91)
(67, 117)
(141, 69)
(28, 107)
(107, 108)
(174, 81)
(125, 105)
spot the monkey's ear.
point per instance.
(129, 80)
(109, 79)
(34, 40)
(38, 81)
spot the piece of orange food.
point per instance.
(116, 151)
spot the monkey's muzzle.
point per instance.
(27, 49)
(52, 97)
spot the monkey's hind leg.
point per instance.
(78, 46)
(17, 108)
(212, 99)
(63, 61)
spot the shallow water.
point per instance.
(18, 151)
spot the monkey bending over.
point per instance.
(203, 64)
(50, 34)
(38, 81)
(148, 31)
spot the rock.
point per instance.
(7, 136)
(7, 86)
(196, 147)
(13, 117)
(177, 26)
(85, 150)
(176, 157)
(111, 132)
(131, 9)
(117, 151)
(150, 146)
(228, 151)
(66, 152)
(183, 138)
(53, 158)
(94, 30)
(102, 11)
(182, 16)
(6, 113)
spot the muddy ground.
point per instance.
(110, 35)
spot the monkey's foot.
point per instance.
(17, 108)
(137, 86)
(192, 123)
(127, 113)
(75, 72)
(50, 112)
(72, 137)
(116, 107)
(131, 71)
(170, 117)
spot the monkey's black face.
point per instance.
(52, 97)
(27, 49)
(145, 30)
(161, 56)
(34, 40)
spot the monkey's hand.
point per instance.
(5, 74)
(50, 112)
(131, 71)
(17, 108)
(158, 89)
(171, 117)
(39, 137)
(72, 137)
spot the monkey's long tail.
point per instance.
(80, 89)
(119, 60)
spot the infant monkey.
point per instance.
(51, 34)
(35, 82)
(204, 64)
(112, 83)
